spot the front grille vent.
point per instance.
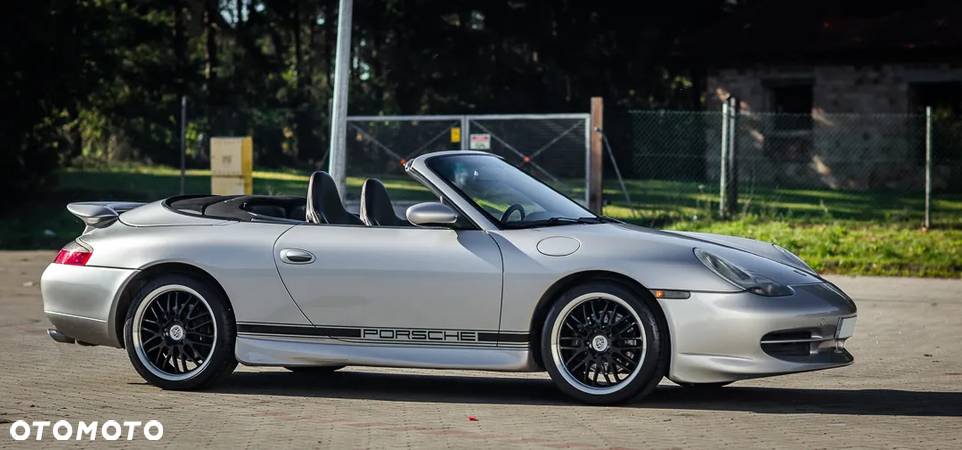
(794, 343)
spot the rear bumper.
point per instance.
(718, 337)
(80, 301)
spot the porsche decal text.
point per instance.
(419, 335)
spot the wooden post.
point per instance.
(595, 185)
(928, 167)
(731, 197)
(723, 163)
(183, 142)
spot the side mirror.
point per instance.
(431, 214)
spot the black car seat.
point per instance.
(376, 207)
(324, 204)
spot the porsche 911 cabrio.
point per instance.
(500, 273)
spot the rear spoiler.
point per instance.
(100, 214)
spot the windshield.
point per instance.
(508, 196)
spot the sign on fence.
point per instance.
(481, 141)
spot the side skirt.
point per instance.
(262, 350)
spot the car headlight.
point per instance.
(739, 277)
(794, 260)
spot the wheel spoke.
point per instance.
(618, 365)
(623, 330)
(194, 354)
(183, 360)
(605, 374)
(575, 355)
(629, 363)
(206, 322)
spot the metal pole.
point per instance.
(464, 132)
(621, 181)
(338, 152)
(723, 162)
(183, 142)
(928, 166)
(732, 195)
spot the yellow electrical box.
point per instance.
(231, 165)
(455, 135)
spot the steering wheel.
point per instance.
(511, 209)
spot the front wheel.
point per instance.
(179, 333)
(602, 344)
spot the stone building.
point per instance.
(833, 95)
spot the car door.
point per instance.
(387, 283)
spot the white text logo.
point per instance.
(110, 430)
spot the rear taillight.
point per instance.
(73, 254)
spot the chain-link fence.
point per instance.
(841, 166)
(788, 166)
(552, 147)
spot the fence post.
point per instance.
(465, 133)
(723, 162)
(183, 142)
(595, 184)
(928, 166)
(731, 197)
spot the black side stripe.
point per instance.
(299, 330)
(296, 330)
(512, 337)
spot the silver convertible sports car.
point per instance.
(500, 273)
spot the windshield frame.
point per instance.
(596, 218)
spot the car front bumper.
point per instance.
(81, 301)
(722, 337)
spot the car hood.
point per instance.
(760, 248)
(661, 259)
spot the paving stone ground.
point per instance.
(904, 391)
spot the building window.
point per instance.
(791, 98)
(789, 136)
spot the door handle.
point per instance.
(296, 256)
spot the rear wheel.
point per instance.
(179, 333)
(603, 344)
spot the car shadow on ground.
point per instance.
(530, 391)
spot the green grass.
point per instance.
(867, 233)
(853, 247)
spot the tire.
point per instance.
(314, 370)
(603, 344)
(179, 333)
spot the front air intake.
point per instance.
(789, 344)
